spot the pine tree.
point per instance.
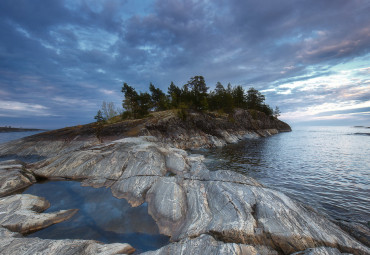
(99, 117)
(198, 93)
(159, 99)
(254, 99)
(277, 112)
(174, 93)
(130, 101)
(238, 97)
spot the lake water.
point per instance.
(325, 167)
(101, 216)
(9, 136)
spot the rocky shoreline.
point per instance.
(12, 129)
(203, 211)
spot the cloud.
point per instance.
(72, 102)
(16, 109)
(107, 92)
(76, 53)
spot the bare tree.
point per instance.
(108, 110)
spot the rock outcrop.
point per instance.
(13, 244)
(213, 130)
(206, 244)
(22, 213)
(14, 177)
(194, 131)
(188, 201)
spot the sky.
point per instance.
(59, 60)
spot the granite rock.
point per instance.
(13, 244)
(320, 251)
(206, 244)
(22, 213)
(192, 201)
(14, 177)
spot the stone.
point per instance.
(14, 177)
(167, 203)
(359, 231)
(176, 163)
(320, 251)
(206, 244)
(133, 189)
(22, 213)
(11, 243)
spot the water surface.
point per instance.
(101, 216)
(325, 167)
(10, 136)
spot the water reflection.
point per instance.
(101, 216)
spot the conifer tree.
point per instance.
(130, 100)
(159, 99)
(198, 92)
(174, 93)
(99, 117)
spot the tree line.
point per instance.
(193, 95)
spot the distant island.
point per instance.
(13, 129)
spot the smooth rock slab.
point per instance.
(13, 177)
(120, 159)
(167, 203)
(11, 244)
(206, 244)
(22, 213)
(320, 251)
(239, 213)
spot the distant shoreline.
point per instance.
(11, 129)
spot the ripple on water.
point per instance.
(324, 167)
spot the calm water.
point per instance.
(325, 167)
(9, 136)
(101, 216)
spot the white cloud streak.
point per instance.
(15, 109)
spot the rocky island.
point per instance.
(12, 129)
(144, 160)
